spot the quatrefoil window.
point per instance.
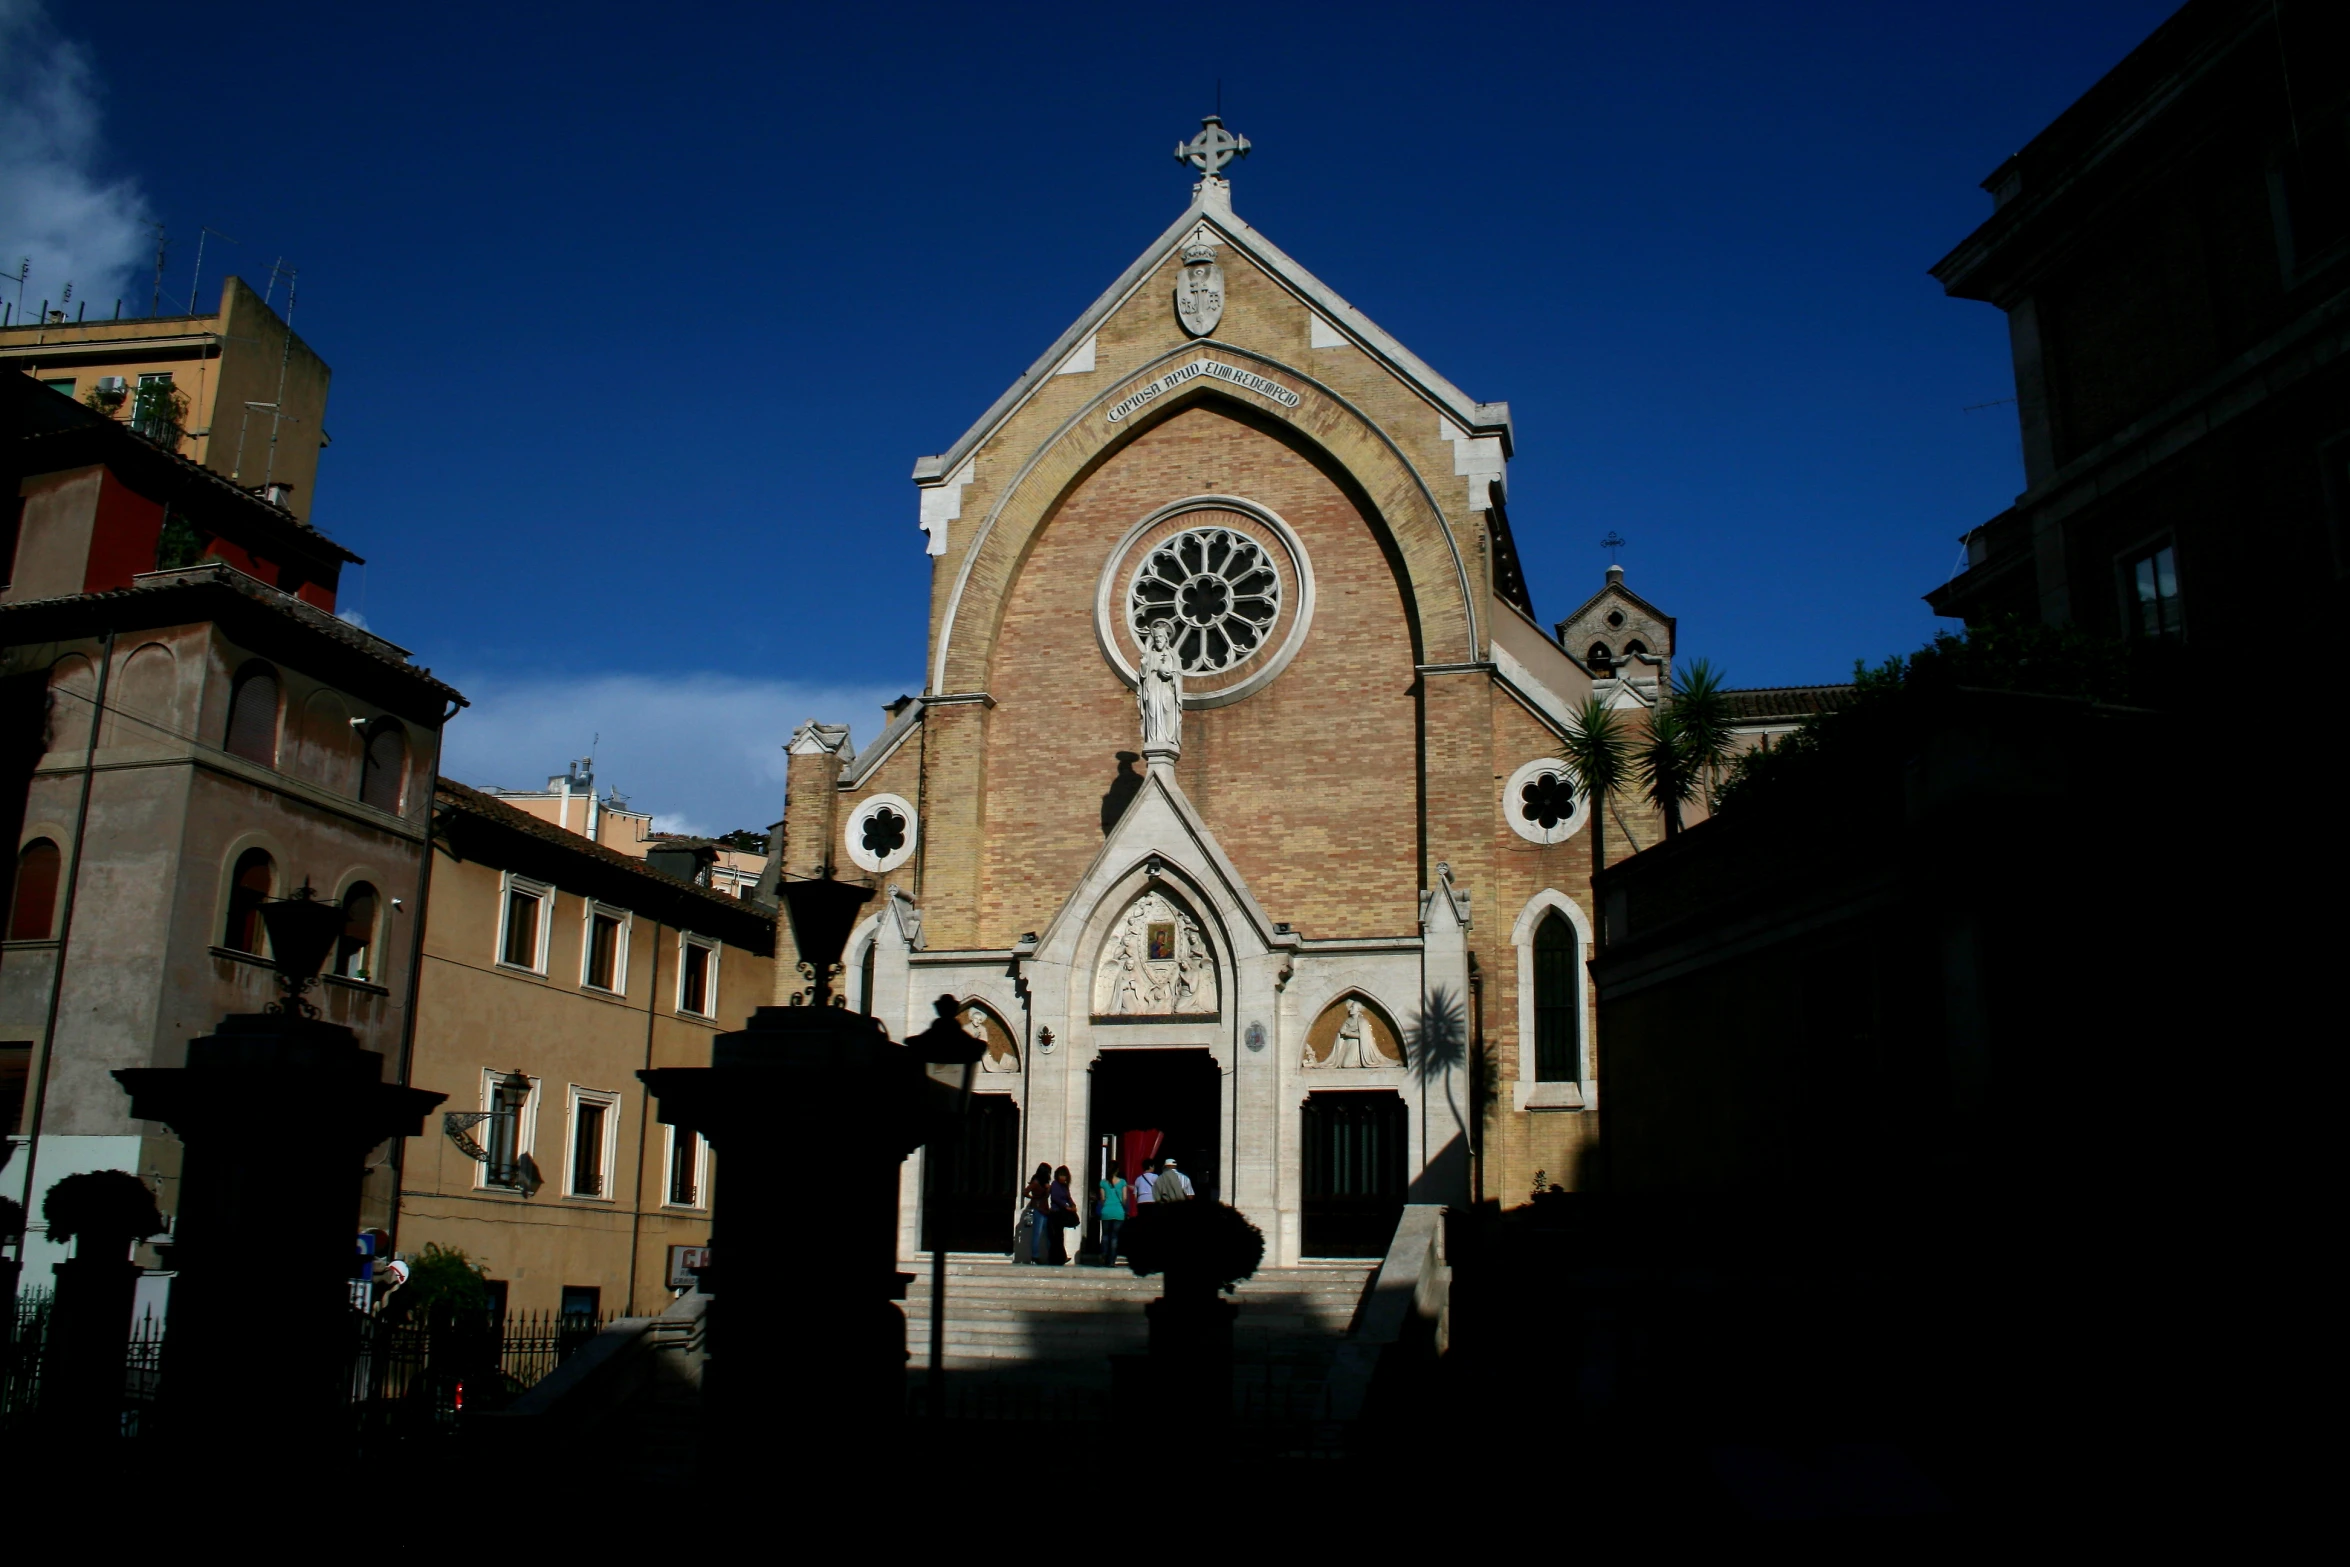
(880, 833)
(884, 834)
(1217, 587)
(1547, 799)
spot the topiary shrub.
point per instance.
(11, 1218)
(101, 1205)
(1200, 1246)
(443, 1281)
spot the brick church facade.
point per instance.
(1307, 942)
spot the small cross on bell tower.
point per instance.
(1212, 148)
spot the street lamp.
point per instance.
(809, 1098)
(276, 1111)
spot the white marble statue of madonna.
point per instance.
(1159, 693)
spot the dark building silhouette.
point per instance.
(2173, 254)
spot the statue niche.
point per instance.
(1352, 1033)
(1156, 963)
(979, 1021)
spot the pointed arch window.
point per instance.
(33, 916)
(1558, 1020)
(252, 715)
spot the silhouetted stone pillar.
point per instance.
(812, 1110)
(278, 1113)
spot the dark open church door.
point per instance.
(1354, 1171)
(1155, 1104)
(981, 1193)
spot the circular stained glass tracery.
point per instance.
(1218, 588)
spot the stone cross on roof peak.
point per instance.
(1212, 148)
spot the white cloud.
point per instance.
(702, 752)
(56, 207)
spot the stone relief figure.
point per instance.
(975, 1023)
(1159, 692)
(1356, 1043)
(1147, 972)
(1354, 1047)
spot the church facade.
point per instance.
(1232, 813)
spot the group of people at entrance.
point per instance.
(1051, 1215)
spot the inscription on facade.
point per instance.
(1152, 390)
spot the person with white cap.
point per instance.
(1173, 1185)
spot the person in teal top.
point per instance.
(1112, 1212)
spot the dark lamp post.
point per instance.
(289, 1194)
(823, 912)
(302, 931)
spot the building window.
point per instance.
(1557, 1019)
(16, 1076)
(10, 536)
(881, 833)
(523, 941)
(1541, 803)
(697, 962)
(2153, 587)
(252, 715)
(1599, 658)
(512, 1101)
(593, 1114)
(384, 770)
(33, 916)
(604, 958)
(157, 408)
(2310, 193)
(583, 1305)
(685, 1168)
(63, 388)
(355, 948)
(249, 888)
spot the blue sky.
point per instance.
(640, 317)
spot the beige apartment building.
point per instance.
(570, 802)
(236, 391)
(554, 969)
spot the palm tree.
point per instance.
(1705, 718)
(1668, 765)
(1601, 756)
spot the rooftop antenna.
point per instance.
(162, 244)
(196, 286)
(24, 269)
(1612, 543)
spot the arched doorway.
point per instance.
(1156, 1104)
(978, 1190)
(1355, 1171)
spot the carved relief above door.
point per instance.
(1156, 963)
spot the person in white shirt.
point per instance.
(1143, 1185)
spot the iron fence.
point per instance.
(27, 1327)
(407, 1377)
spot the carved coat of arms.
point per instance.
(1199, 293)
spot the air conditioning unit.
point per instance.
(113, 385)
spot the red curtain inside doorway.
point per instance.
(1136, 1149)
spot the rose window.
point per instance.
(1547, 799)
(884, 834)
(1216, 587)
